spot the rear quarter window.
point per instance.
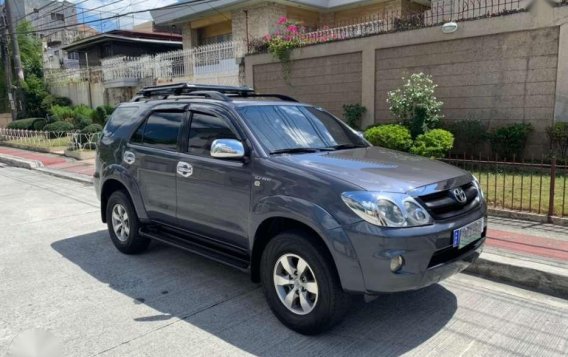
(120, 117)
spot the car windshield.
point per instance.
(290, 128)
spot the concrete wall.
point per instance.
(499, 70)
(5, 119)
(499, 79)
(328, 81)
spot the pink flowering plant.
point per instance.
(283, 39)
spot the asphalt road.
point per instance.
(61, 276)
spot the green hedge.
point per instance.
(59, 126)
(91, 129)
(434, 143)
(28, 124)
(390, 136)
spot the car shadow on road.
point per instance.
(224, 302)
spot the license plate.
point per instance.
(467, 234)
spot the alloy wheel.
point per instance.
(120, 222)
(295, 284)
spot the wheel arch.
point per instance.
(114, 183)
(310, 218)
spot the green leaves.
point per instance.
(435, 143)
(353, 114)
(390, 136)
(415, 105)
(509, 142)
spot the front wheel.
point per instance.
(301, 284)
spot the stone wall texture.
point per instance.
(498, 79)
(329, 81)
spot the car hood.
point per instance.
(379, 169)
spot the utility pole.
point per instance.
(15, 45)
(7, 65)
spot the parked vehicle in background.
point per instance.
(284, 191)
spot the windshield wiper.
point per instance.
(295, 150)
(346, 146)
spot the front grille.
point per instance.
(442, 205)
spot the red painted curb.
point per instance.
(523, 243)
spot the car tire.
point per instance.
(123, 225)
(315, 308)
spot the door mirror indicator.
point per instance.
(227, 149)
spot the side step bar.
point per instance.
(199, 246)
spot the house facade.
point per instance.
(246, 20)
(117, 43)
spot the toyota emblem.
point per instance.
(459, 195)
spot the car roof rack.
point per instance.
(211, 91)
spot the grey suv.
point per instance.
(286, 192)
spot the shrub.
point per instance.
(59, 126)
(92, 129)
(558, 137)
(28, 124)
(82, 111)
(353, 114)
(50, 100)
(391, 136)
(101, 114)
(469, 136)
(62, 113)
(435, 143)
(415, 105)
(509, 141)
(80, 122)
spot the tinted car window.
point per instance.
(204, 130)
(119, 117)
(160, 130)
(281, 127)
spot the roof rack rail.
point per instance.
(218, 92)
(187, 88)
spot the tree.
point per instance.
(33, 88)
(415, 105)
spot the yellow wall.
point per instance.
(306, 17)
(353, 14)
(221, 28)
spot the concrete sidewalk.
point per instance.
(524, 253)
(56, 165)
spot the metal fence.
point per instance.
(531, 185)
(386, 21)
(211, 64)
(49, 140)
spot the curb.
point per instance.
(543, 278)
(22, 163)
(66, 175)
(38, 166)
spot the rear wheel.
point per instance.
(301, 284)
(123, 225)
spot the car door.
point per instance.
(154, 152)
(214, 199)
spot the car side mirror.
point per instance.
(227, 149)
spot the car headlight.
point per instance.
(478, 187)
(387, 209)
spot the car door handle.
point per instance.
(184, 169)
(129, 157)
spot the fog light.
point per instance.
(397, 263)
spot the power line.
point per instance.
(173, 6)
(49, 4)
(82, 12)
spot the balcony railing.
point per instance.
(211, 64)
(394, 20)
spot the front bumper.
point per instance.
(427, 251)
